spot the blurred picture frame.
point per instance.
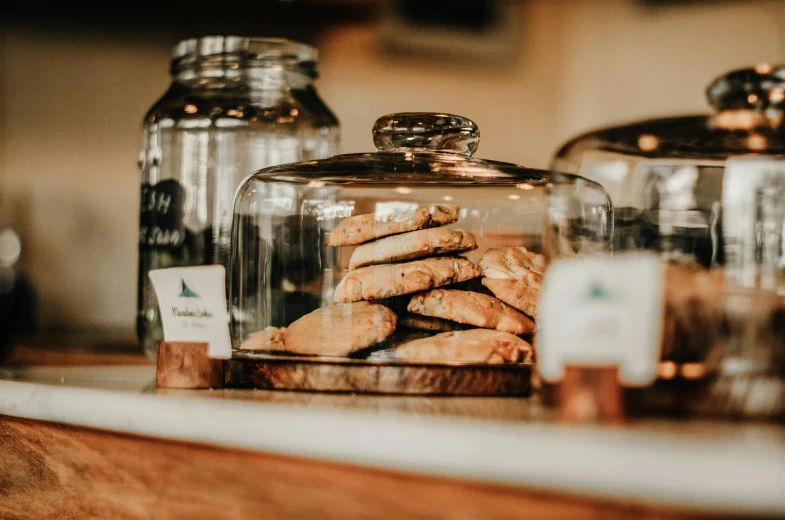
(476, 30)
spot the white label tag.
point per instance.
(192, 301)
(602, 311)
(753, 210)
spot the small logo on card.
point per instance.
(598, 292)
(187, 292)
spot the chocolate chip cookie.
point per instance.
(339, 330)
(471, 308)
(409, 246)
(511, 263)
(364, 228)
(467, 346)
(270, 339)
(382, 281)
(522, 294)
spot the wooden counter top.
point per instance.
(249, 454)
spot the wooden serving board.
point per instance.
(321, 374)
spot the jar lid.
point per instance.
(246, 49)
(749, 105)
(417, 148)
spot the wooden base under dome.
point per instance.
(320, 374)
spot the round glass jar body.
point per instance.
(235, 105)
(292, 252)
(665, 176)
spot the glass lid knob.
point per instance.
(758, 88)
(426, 132)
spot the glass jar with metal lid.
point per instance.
(415, 269)
(235, 105)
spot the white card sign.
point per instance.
(192, 303)
(601, 312)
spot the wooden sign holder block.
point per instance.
(591, 394)
(187, 365)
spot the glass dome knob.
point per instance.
(426, 132)
(758, 88)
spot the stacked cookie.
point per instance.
(334, 330)
(514, 275)
(397, 255)
(411, 255)
(402, 254)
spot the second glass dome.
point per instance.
(314, 242)
(665, 176)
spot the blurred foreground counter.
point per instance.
(89, 436)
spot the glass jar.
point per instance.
(329, 256)
(665, 176)
(235, 105)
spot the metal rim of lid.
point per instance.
(248, 47)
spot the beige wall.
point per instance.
(627, 62)
(515, 106)
(72, 107)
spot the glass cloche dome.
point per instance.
(665, 176)
(417, 253)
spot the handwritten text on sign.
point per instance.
(161, 219)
